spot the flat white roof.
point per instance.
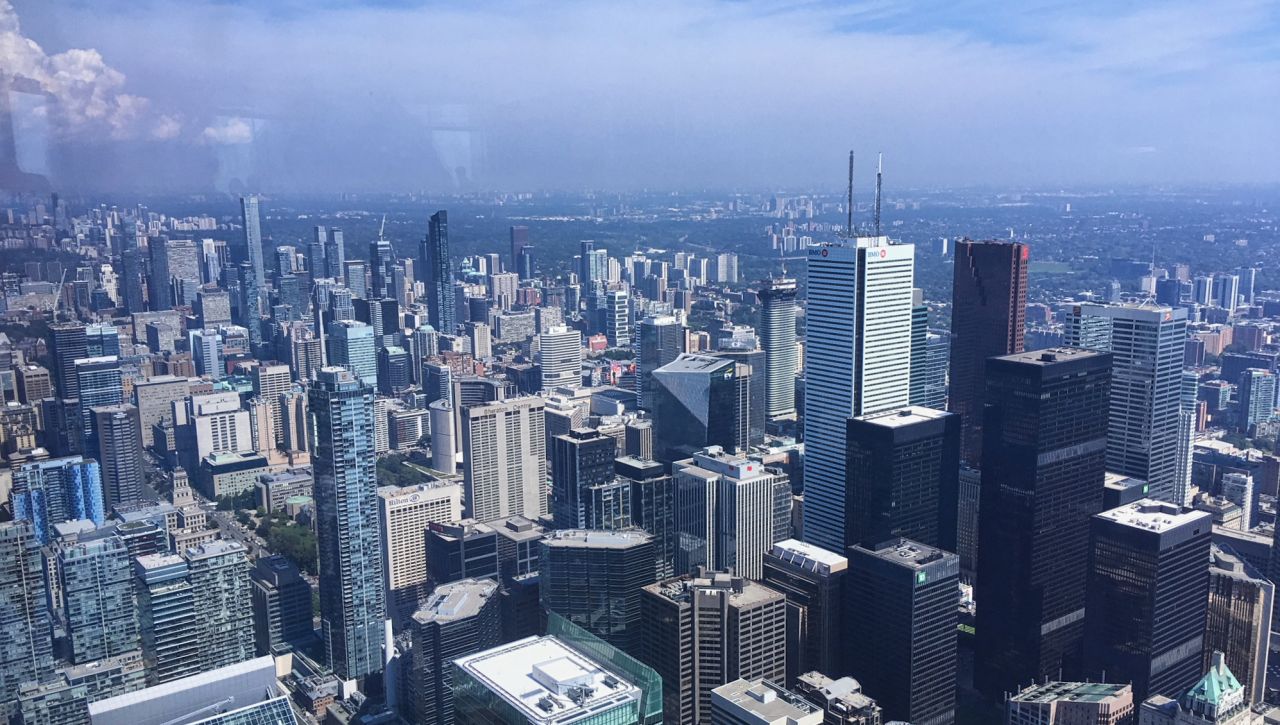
(547, 681)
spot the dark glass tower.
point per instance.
(458, 619)
(902, 620)
(68, 342)
(352, 601)
(902, 473)
(812, 579)
(281, 605)
(594, 579)
(438, 274)
(381, 260)
(581, 458)
(1045, 428)
(1148, 596)
(988, 317)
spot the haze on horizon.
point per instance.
(396, 95)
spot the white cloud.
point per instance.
(706, 92)
(87, 94)
(228, 132)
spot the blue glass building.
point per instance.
(352, 600)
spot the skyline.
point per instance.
(210, 96)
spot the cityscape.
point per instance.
(479, 450)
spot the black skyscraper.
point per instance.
(812, 579)
(1148, 597)
(988, 314)
(902, 473)
(902, 621)
(1047, 435)
(461, 550)
(68, 342)
(438, 274)
(579, 459)
(593, 579)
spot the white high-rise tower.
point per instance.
(857, 362)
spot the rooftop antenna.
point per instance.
(879, 179)
(382, 227)
(848, 226)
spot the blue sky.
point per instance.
(395, 94)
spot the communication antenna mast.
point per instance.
(382, 227)
(848, 226)
(879, 179)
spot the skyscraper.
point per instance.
(504, 450)
(617, 322)
(701, 632)
(560, 358)
(1146, 345)
(26, 649)
(167, 617)
(812, 579)
(458, 619)
(1148, 594)
(281, 601)
(252, 294)
(381, 260)
(729, 511)
(335, 255)
(99, 381)
(219, 575)
(857, 354)
(438, 274)
(404, 515)
(519, 240)
(351, 346)
(581, 458)
(988, 319)
(1241, 602)
(902, 620)
(1039, 487)
(68, 342)
(699, 401)
(593, 579)
(352, 604)
(903, 477)
(778, 338)
(118, 431)
(52, 491)
(95, 575)
(662, 339)
(1256, 398)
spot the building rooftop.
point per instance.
(596, 539)
(908, 415)
(689, 362)
(1156, 516)
(768, 702)
(456, 600)
(907, 553)
(1052, 355)
(217, 547)
(743, 592)
(185, 700)
(1072, 691)
(547, 681)
(1121, 481)
(518, 528)
(809, 557)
